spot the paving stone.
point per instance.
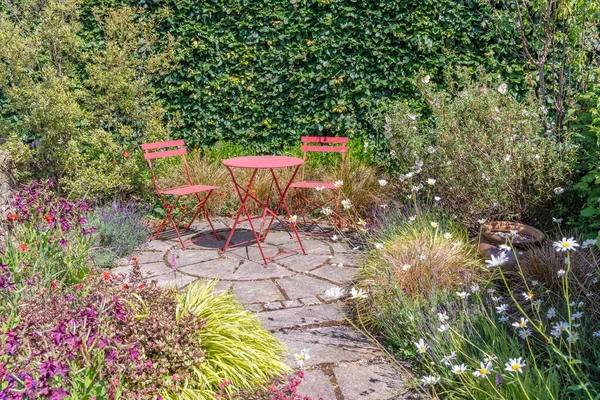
(303, 262)
(299, 286)
(316, 246)
(301, 316)
(257, 292)
(291, 303)
(275, 305)
(222, 286)
(147, 257)
(339, 248)
(252, 252)
(191, 256)
(280, 238)
(156, 245)
(251, 270)
(368, 382)
(153, 269)
(255, 307)
(220, 268)
(341, 276)
(173, 280)
(328, 345)
(347, 259)
(310, 300)
(316, 385)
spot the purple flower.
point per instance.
(58, 394)
(62, 242)
(498, 379)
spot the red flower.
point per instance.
(125, 286)
(125, 154)
(140, 287)
(23, 247)
(253, 191)
(53, 285)
(133, 259)
(222, 194)
(48, 218)
(105, 276)
(229, 215)
(12, 217)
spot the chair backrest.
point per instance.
(171, 148)
(334, 145)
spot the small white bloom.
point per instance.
(421, 257)
(421, 346)
(447, 359)
(361, 222)
(462, 295)
(358, 294)
(589, 243)
(302, 357)
(430, 380)
(561, 272)
(431, 181)
(557, 220)
(525, 333)
(565, 244)
(558, 190)
(535, 282)
(334, 238)
(577, 315)
(434, 224)
(502, 308)
(327, 211)
(346, 203)
(459, 369)
(503, 318)
(426, 79)
(431, 149)
(338, 183)
(573, 337)
(412, 218)
(437, 198)
(474, 288)
(383, 182)
(505, 247)
(319, 188)
(551, 313)
(406, 267)
(484, 370)
(412, 116)
(334, 293)
(527, 295)
(515, 365)
(447, 236)
(596, 334)
(503, 88)
(442, 328)
(507, 158)
(379, 246)
(293, 218)
(496, 261)
(366, 144)
(522, 324)
(481, 221)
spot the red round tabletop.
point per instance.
(263, 162)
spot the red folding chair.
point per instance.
(333, 145)
(160, 150)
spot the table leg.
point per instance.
(244, 199)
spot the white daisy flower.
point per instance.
(558, 190)
(447, 359)
(431, 181)
(334, 293)
(447, 236)
(462, 295)
(596, 334)
(484, 370)
(565, 244)
(528, 295)
(382, 182)
(525, 333)
(589, 243)
(302, 357)
(496, 261)
(406, 267)
(557, 220)
(577, 315)
(327, 211)
(338, 183)
(520, 324)
(515, 365)
(437, 198)
(358, 294)
(459, 369)
(503, 318)
(573, 337)
(443, 317)
(346, 203)
(502, 308)
(503, 88)
(430, 380)
(421, 346)
(334, 238)
(551, 313)
(426, 79)
(293, 219)
(361, 222)
(434, 224)
(442, 328)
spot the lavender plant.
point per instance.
(121, 228)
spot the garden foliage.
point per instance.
(75, 108)
(262, 73)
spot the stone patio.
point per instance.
(288, 297)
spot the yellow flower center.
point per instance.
(566, 245)
(300, 358)
(515, 367)
(562, 328)
(422, 349)
(483, 371)
(458, 370)
(522, 325)
(530, 295)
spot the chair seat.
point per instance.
(181, 191)
(313, 185)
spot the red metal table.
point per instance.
(261, 163)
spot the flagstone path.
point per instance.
(288, 297)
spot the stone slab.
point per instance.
(316, 385)
(347, 259)
(316, 246)
(291, 303)
(252, 252)
(309, 301)
(328, 345)
(301, 316)
(299, 286)
(341, 276)
(257, 292)
(251, 270)
(255, 307)
(303, 262)
(147, 257)
(192, 256)
(368, 382)
(156, 245)
(279, 238)
(275, 305)
(173, 280)
(220, 268)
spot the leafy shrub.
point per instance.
(120, 229)
(76, 108)
(316, 67)
(488, 155)
(45, 236)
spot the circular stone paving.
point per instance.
(288, 297)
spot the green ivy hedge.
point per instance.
(263, 73)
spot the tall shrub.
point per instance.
(75, 108)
